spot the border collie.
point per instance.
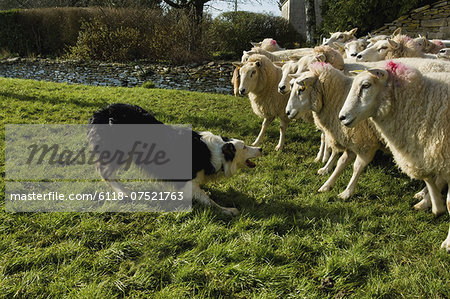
(212, 155)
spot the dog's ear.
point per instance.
(229, 151)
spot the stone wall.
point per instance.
(432, 21)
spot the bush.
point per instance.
(98, 41)
(233, 31)
(126, 34)
(148, 84)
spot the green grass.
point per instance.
(289, 241)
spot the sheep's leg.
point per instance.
(203, 198)
(426, 203)
(322, 148)
(326, 169)
(358, 167)
(437, 205)
(265, 124)
(328, 151)
(283, 127)
(446, 244)
(347, 157)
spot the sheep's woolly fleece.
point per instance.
(401, 73)
(407, 47)
(332, 56)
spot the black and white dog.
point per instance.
(212, 155)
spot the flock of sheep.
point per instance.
(381, 92)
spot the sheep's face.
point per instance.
(362, 100)
(374, 40)
(340, 37)
(375, 53)
(249, 74)
(303, 97)
(422, 42)
(444, 54)
(288, 68)
(354, 47)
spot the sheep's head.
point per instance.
(328, 55)
(377, 52)
(305, 95)
(422, 42)
(249, 73)
(352, 48)
(362, 99)
(288, 68)
(341, 37)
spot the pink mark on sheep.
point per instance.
(439, 43)
(400, 71)
(273, 42)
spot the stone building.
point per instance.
(294, 12)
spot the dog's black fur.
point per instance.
(132, 114)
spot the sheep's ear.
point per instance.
(278, 63)
(321, 58)
(373, 40)
(353, 31)
(331, 33)
(397, 31)
(393, 44)
(229, 151)
(238, 64)
(255, 44)
(369, 35)
(339, 45)
(379, 73)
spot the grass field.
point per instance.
(288, 242)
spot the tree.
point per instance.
(310, 20)
(194, 9)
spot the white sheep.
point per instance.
(268, 44)
(320, 54)
(323, 90)
(341, 37)
(429, 46)
(422, 64)
(352, 48)
(412, 113)
(259, 79)
(278, 55)
(398, 46)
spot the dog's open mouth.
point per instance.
(250, 164)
